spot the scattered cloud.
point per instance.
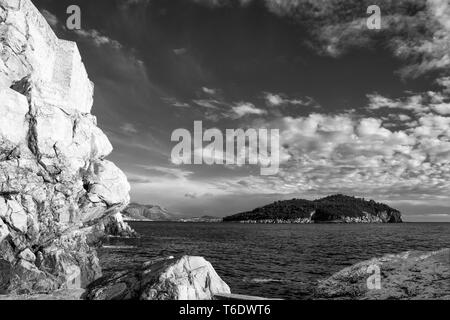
(171, 172)
(128, 128)
(209, 91)
(415, 30)
(98, 38)
(245, 108)
(50, 17)
(275, 100)
(209, 103)
(180, 51)
(176, 103)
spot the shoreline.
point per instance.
(407, 275)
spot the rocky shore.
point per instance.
(408, 275)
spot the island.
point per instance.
(332, 209)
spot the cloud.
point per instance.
(97, 38)
(172, 172)
(325, 154)
(245, 108)
(276, 100)
(180, 51)
(416, 31)
(209, 91)
(443, 108)
(128, 128)
(423, 103)
(50, 17)
(176, 103)
(445, 83)
(208, 103)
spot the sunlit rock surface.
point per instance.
(184, 278)
(409, 275)
(55, 183)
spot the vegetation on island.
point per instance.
(333, 208)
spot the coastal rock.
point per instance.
(55, 184)
(409, 275)
(184, 278)
(66, 294)
(111, 226)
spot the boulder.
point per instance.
(116, 227)
(183, 278)
(409, 275)
(55, 183)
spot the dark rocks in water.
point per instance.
(336, 208)
(183, 278)
(409, 275)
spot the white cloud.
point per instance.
(275, 100)
(50, 17)
(245, 108)
(344, 153)
(417, 103)
(442, 108)
(209, 91)
(176, 103)
(208, 103)
(97, 38)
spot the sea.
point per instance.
(272, 260)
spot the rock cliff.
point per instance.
(55, 184)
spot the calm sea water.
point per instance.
(278, 261)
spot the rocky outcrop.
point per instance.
(55, 183)
(184, 278)
(409, 275)
(67, 294)
(111, 226)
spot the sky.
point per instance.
(361, 112)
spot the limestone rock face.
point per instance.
(184, 278)
(409, 275)
(54, 180)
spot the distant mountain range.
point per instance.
(148, 212)
(335, 208)
(142, 212)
